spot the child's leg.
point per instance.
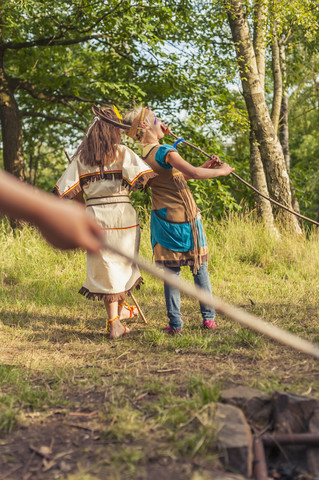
(173, 302)
(201, 278)
(114, 324)
(127, 311)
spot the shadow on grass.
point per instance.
(56, 329)
(229, 335)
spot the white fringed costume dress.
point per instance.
(106, 190)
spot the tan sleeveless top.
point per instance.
(170, 191)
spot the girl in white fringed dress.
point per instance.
(106, 172)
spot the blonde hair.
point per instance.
(131, 116)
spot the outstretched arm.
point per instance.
(63, 224)
(197, 173)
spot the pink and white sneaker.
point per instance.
(209, 324)
(172, 331)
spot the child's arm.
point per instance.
(63, 224)
(197, 173)
(79, 198)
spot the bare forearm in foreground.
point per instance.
(63, 224)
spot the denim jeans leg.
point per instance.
(173, 302)
(201, 279)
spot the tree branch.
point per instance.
(99, 20)
(52, 118)
(63, 99)
(29, 87)
(303, 113)
(127, 57)
(58, 40)
(49, 42)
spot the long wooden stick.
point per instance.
(123, 126)
(138, 308)
(241, 316)
(284, 207)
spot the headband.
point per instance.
(134, 131)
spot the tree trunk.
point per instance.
(277, 76)
(257, 172)
(270, 148)
(258, 178)
(284, 131)
(11, 127)
(35, 174)
(259, 40)
(30, 179)
(284, 125)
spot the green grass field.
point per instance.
(124, 408)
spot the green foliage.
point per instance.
(175, 56)
(214, 199)
(67, 56)
(297, 26)
(304, 115)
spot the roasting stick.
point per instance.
(234, 313)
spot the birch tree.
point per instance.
(257, 172)
(261, 123)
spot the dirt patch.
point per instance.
(62, 445)
(80, 440)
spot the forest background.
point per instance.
(179, 57)
(237, 78)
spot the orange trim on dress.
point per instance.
(121, 228)
(137, 177)
(97, 173)
(69, 189)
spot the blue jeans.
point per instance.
(173, 297)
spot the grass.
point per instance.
(143, 405)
